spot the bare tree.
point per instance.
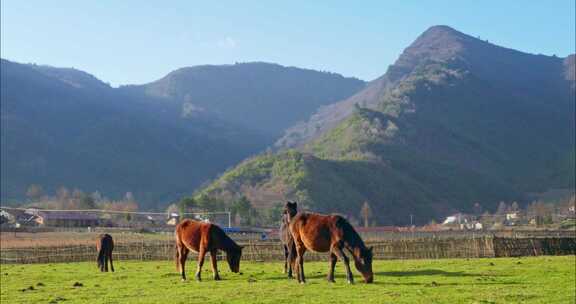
(514, 207)
(34, 192)
(62, 194)
(477, 209)
(366, 213)
(129, 197)
(502, 208)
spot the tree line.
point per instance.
(75, 199)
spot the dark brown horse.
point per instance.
(203, 237)
(290, 210)
(330, 233)
(104, 246)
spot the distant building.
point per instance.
(6, 217)
(173, 219)
(66, 219)
(462, 221)
(17, 218)
(458, 218)
(512, 216)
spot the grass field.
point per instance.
(502, 280)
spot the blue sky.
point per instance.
(132, 42)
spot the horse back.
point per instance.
(105, 242)
(192, 234)
(316, 231)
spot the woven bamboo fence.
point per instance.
(428, 248)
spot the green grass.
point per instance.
(503, 280)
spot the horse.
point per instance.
(330, 233)
(203, 237)
(290, 210)
(104, 246)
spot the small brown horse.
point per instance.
(104, 246)
(203, 237)
(323, 233)
(290, 210)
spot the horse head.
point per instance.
(363, 262)
(233, 257)
(290, 209)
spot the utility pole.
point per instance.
(411, 217)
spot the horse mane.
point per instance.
(351, 237)
(227, 243)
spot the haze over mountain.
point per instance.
(454, 121)
(260, 96)
(64, 127)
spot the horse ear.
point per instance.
(370, 248)
(241, 247)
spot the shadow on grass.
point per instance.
(311, 275)
(424, 272)
(434, 284)
(427, 272)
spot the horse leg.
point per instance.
(177, 258)
(111, 264)
(183, 254)
(300, 250)
(336, 248)
(101, 260)
(290, 261)
(333, 259)
(201, 255)
(213, 259)
(105, 262)
(285, 258)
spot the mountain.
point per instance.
(454, 121)
(260, 96)
(64, 127)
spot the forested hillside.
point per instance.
(455, 121)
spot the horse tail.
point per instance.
(177, 258)
(177, 247)
(100, 259)
(292, 252)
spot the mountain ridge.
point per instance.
(442, 129)
(64, 127)
(438, 43)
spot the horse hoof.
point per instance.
(183, 280)
(350, 282)
(331, 281)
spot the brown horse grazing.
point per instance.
(104, 246)
(323, 233)
(203, 237)
(290, 210)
